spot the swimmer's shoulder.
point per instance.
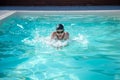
(53, 33)
(66, 36)
(66, 33)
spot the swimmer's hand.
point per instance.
(59, 43)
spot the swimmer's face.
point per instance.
(60, 33)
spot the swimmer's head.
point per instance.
(60, 27)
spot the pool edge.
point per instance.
(4, 14)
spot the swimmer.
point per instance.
(60, 34)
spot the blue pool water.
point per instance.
(93, 51)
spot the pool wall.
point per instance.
(60, 8)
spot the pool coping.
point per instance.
(4, 13)
(76, 12)
(62, 11)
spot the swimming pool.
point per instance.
(93, 52)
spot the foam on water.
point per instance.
(37, 39)
(20, 26)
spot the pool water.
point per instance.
(93, 51)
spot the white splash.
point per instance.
(46, 41)
(59, 43)
(20, 26)
(37, 40)
(81, 39)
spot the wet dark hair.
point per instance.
(59, 27)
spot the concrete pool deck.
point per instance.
(4, 14)
(6, 11)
